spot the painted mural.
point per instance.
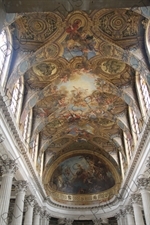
(82, 174)
(79, 41)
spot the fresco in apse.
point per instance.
(82, 174)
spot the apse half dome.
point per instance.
(82, 177)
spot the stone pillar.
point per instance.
(30, 200)
(21, 188)
(144, 187)
(136, 203)
(129, 215)
(37, 215)
(9, 168)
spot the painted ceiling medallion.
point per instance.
(45, 69)
(112, 66)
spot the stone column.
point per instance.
(37, 215)
(129, 215)
(21, 188)
(9, 168)
(144, 187)
(136, 203)
(30, 200)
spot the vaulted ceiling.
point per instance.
(79, 80)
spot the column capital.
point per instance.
(30, 200)
(143, 183)
(148, 163)
(21, 186)
(45, 215)
(37, 209)
(97, 221)
(120, 214)
(8, 166)
(68, 221)
(136, 198)
(129, 210)
(61, 221)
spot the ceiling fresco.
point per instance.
(79, 75)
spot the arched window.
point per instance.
(5, 55)
(34, 149)
(128, 146)
(27, 127)
(17, 98)
(3, 50)
(145, 93)
(135, 125)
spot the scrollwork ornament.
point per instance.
(97, 221)
(37, 209)
(129, 210)
(21, 185)
(143, 183)
(136, 198)
(30, 200)
(148, 163)
(9, 166)
(68, 222)
(45, 215)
